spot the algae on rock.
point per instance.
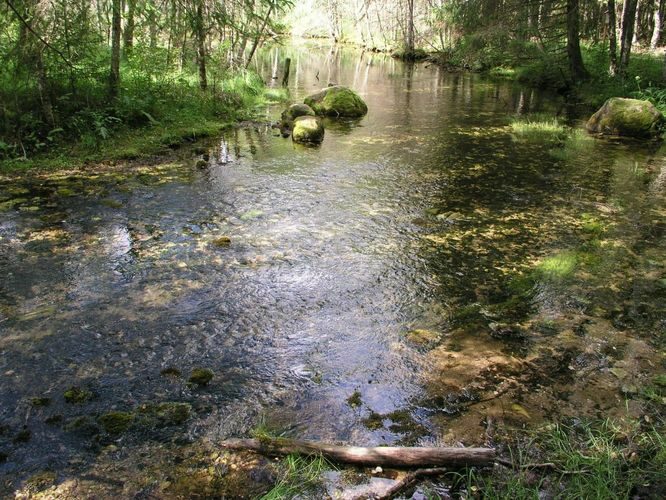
(337, 101)
(629, 118)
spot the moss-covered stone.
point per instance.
(77, 395)
(163, 414)
(222, 241)
(355, 400)
(116, 422)
(294, 111)
(374, 421)
(170, 371)
(337, 101)
(308, 130)
(627, 117)
(201, 376)
(83, 426)
(40, 401)
(40, 481)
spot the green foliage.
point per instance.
(299, 475)
(596, 460)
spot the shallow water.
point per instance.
(422, 215)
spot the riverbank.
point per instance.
(184, 116)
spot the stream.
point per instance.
(427, 268)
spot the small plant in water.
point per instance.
(301, 477)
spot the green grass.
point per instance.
(299, 475)
(537, 129)
(589, 460)
(557, 267)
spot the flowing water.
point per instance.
(427, 269)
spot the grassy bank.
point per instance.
(154, 114)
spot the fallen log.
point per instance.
(385, 456)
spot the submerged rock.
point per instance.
(201, 376)
(628, 118)
(116, 422)
(337, 101)
(308, 130)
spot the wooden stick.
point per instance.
(388, 456)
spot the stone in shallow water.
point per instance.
(201, 376)
(337, 101)
(627, 117)
(308, 130)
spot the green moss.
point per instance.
(41, 401)
(592, 225)
(166, 414)
(374, 421)
(355, 399)
(627, 117)
(111, 203)
(294, 111)
(222, 241)
(76, 395)
(116, 422)
(337, 101)
(83, 426)
(40, 481)
(308, 130)
(557, 267)
(201, 376)
(170, 372)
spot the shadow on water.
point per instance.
(428, 267)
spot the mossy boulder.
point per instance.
(294, 111)
(77, 395)
(308, 130)
(201, 376)
(628, 118)
(162, 415)
(116, 422)
(337, 101)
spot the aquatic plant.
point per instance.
(299, 475)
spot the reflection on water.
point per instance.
(428, 214)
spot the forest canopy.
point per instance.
(78, 70)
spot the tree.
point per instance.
(627, 34)
(612, 37)
(114, 76)
(574, 56)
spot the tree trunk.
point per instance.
(201, 44)
(258, 36)
(409, 42)
(576, 66)
(628, 18)
(114, 76)
(658, 23)
(386, 456)
(128, 34)
(612, 37)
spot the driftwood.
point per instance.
(386, 456)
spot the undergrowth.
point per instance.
(585, 460)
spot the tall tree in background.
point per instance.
(116, 23)
(128, 32)
(627, 33)
(657, 17)
(409, 41)
(576, 66)
(200, 34)
(612, 37)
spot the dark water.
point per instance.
(430, 204)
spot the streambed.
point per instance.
(428, 269)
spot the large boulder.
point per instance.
(629, 118)
(294, 111)
(308, 130)
(337, 101)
